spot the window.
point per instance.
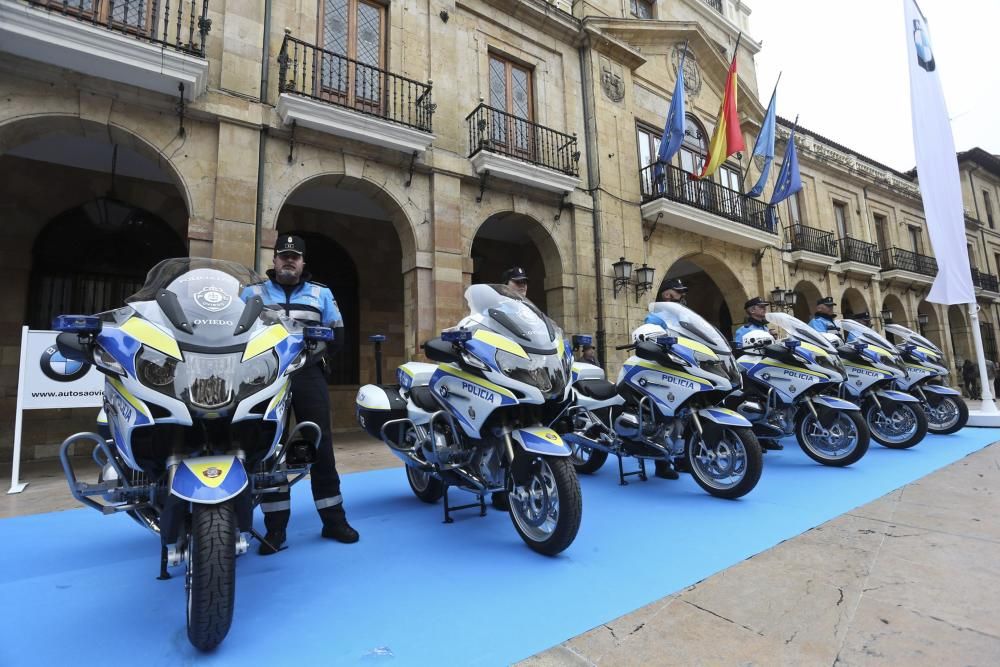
(840, 216)
(916, 241)
(731, 179)
(134, 16)
(510, 93)
(880, 238)
(794, 210)
(649, 146)
(989, 208)
(642, 9)
(694, 146)
(972, 255)
(352, 30)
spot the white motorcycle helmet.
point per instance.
(757, 338)
(648, 332)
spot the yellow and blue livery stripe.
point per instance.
(208, 479)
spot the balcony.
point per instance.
(142, 43)
(909, 266)
(518, 150)
(705, 208)
(984, 282)
(857, 256)
(331, 93)
(810, 246)
(714, 4)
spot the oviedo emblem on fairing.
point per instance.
(212, 298)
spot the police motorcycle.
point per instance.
(475, 419)
(895, 418)
(195, 399)
(664, 407)
(790, 387)
(943, 406)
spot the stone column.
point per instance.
(236, 193)
(447, 283)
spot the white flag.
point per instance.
(937, 166)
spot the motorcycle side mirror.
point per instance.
(791, 344)
(318, 334)
(74, 348)
(582, 340)
(81, 325)
(456, 335)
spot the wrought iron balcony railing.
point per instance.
(801, 237)
(183, 26)
(675, 184)
(305, 69)
(856, 250)
(714, 4)
(497, 131)
(985, 281)
(897, 259)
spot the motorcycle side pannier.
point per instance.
(378, 404)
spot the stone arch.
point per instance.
(900, 315)
(714, 291)
(807, 294)
(853, 301)
(932, 330)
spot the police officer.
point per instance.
(672, 290)
(863, 317)
(822, 321)
(309, 303)
(756, 309)
(516, 279)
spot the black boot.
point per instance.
(335, 526)
(665, 471)
(272, 542)
(499, 501)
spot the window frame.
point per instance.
(512, 124)
(348, 96)
(988, 204)
(842, 223)
(634, 6)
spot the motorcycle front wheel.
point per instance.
(844, 443)
(731, 467)
(546, 507)
(949, 416)
(211, 574)
(902, 428)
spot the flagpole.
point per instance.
(988, 405)
(743, 183)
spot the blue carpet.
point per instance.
(80, 588)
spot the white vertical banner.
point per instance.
(937, 166)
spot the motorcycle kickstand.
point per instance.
(621, 472)
(448, 509)
(164, 575)
(260, 538)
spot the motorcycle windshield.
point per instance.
(912, 337)
(796, 328)
(513, 315)
(685, 322)
(864, 334)
(208, 293)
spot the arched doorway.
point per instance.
(932, 329)
(853, 301)
(807, 294)
(508, 239)
(714, 292)
(894, 305)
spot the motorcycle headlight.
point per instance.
(258, 372)
(534, 371)
(104, 359)
(155, 369)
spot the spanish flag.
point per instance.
(727, 138)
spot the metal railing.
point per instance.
(856, 250)
(906, 260)
(675, 184)
(801, 237)
(714, 4)
(183, 25)
(308, 70)
(985, 281)
(497, 131)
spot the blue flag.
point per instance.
(673, 131)
(765, 146)
(789, 181)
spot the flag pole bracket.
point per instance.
(482, 185)
(759, 255)
(562, 205)
(652, 227)
(413, 161)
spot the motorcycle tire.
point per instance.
(587, 460)
(552, 488)
(805, 419)
(424, 485)
(707, 473)
(963, 417)
(211, 574)
(919, 432)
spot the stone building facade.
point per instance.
(420, 146)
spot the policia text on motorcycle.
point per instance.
(310, 303)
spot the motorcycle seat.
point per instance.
(423, 398)
(597, 389)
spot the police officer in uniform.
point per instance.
(517, 280)
(310, 303)
(756, 309)
(672, 290)
(822, 321)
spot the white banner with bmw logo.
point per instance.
(47, 380)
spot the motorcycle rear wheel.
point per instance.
(211, 575)
(424, 485)
(547, 508)
(587, 460)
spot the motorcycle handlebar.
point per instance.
(625, 347)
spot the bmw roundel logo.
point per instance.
(642, 382)
(57, 367)
(766, 376)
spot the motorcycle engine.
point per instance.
(627, 425)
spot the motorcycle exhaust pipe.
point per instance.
(581, 441)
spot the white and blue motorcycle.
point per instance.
(664, 407)
(926, 374)
(791, 386)
(475, 420)
(195, 400)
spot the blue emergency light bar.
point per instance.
(582, 340)
(324, 334)
(791, 343)
(456, 335)
(78, 324)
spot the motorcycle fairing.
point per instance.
(724, 417)
(788, 381)
(540, 440)
(834, 403)
(468, 398)
(896, 396)
(125, 412)
(940, 390)
(208, 480)
(667, 387)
